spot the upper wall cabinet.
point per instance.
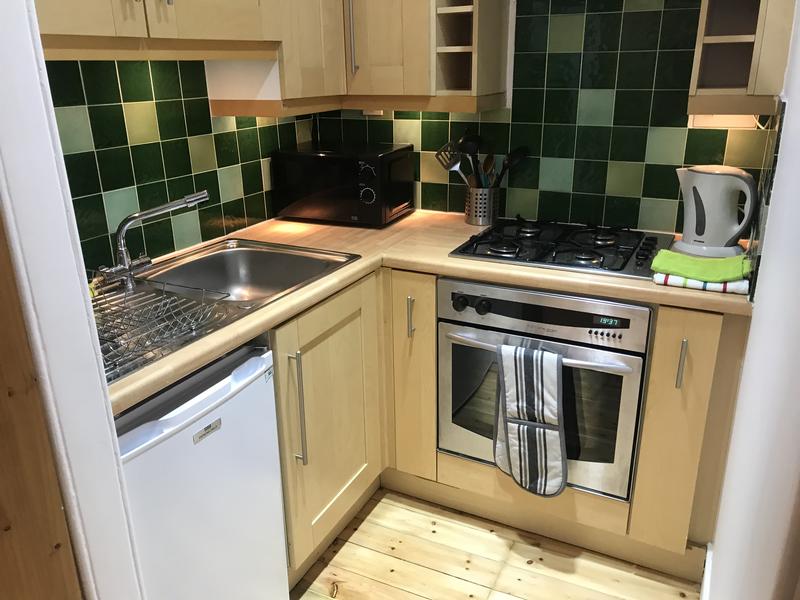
(205, 19)
(92, 17)
(741, 56)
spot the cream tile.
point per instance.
(745, 148)
(465, 117)
(640, 5)
(303, 130)
(201, 152)
(624, 179)
(230, 183)
(408, 132)
(666, 145)
(430, 171)
(74, 130)
(566, 33)
(141, 123)
(266, 174)
(264, 121)
(186, 229)
(658, 215)
(223, 124)
(498, 115)
(522, 201)
(119, 204)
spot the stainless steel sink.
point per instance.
(251, 273)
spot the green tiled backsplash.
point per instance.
(136, 134)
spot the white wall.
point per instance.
(754, 549)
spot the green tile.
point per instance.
(523, 202)
(147, 163)
(435, 116)
(596, 107)
(602, 32)
(528, 135)
(119, 204)
(529, 69)
(527, 106)
(180, 187)
(666, 145)
(639, 5)
(97, 252)
(624, 179)
(287, 136)
(115, 168)
(531, 34)
(599, 70)
(679, 29)
(632, 107)
(705, 146)
(90, 216)
(746, 148)
(558, 141)
(674, 70)
(566, 33)
(134, 80)
(669, 109)
(380, 131)
(629, 144)
(212, 224)
(590, 176)
(251, 178)
(621, 212)
(186, 229)
(456, 197)
(640, 30)
(435, 134)
(108, 126)
(561, 106)
(209, 182)
(158, 238)
(564, 70)
(406, 114)
(554, 206)
(234, 215)
(660, 181)
(202, 154)
(66, 87)
(198, 116)
(533, 7)
(354, 131)
(141, 122)
(555, 174)
(245, 122)
(74, 130)
(248, 144)
(255, 208)
(227, 149)
(593, 142)
(177, 160)
(230, 183)
(100, 81)
(604, 5)
(152, 194)
(496, 137)
(171, 122)
(587, 209)
(434, 196)
(166, 81)
(657, 215)
(459, 129)
(567, 6)
(193, 78)
(330, 130)
(135, 240)
(82, 174)
(268, 140)
(525, 175)
(636, 70)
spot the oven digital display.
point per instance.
(610, 322)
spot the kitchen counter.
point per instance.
(420, 242)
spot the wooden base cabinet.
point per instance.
(328, 378)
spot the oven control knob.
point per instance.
(483, 307)
(366, 171)
(367, 195)
(460, 303)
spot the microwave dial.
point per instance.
(366, 171)
(367, 195)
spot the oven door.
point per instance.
(601, 391)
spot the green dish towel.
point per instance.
(716, 270)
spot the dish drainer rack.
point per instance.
(148, 322)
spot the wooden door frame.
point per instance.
(43, 240)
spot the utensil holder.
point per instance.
(482, 206)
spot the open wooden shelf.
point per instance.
(455, 10)
(729, 39)
(453, 49)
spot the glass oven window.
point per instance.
(592, 403)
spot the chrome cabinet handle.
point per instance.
(353, 63)
(301, 401)
(169, 2)
(410, 316)
(681, 363)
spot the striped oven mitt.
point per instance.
(529, 441)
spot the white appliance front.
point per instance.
(204, 493)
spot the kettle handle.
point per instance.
(746, 184)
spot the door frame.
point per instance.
(36, 207)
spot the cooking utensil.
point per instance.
(450, 158)
(512, 160)
(489, 169)
(470, 145)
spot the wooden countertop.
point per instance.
(420, 242)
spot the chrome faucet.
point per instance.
(125, 267)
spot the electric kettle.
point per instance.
(711, 225)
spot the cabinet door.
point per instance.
(328, 385)
(678, 392)
(205, 19)
(414, 345)
(312, 52)
(92, 17)
(388, 47)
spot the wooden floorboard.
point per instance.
(401, 548)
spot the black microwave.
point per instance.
(369, 185)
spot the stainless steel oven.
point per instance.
(603, 345)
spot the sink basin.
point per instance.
(252, 273)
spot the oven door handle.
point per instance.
(613, 368)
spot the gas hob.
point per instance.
(609, 250)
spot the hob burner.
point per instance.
(504, 248)
(587, 257)
(603, 239)
(529, 230)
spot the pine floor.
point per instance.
(401, 548)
